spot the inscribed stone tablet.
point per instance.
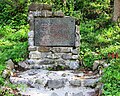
(54, 32)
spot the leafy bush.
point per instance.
(111, 79)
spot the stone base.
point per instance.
(56, 83)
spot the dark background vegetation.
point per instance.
(99, 35)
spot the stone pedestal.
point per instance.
(54, 39)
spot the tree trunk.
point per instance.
(116, 13)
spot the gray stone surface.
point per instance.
(75, 82)
(54, 94)
(75, 51)
(46, 61)
(58, 14)
(54, 32)
(55, 84)
(30, 42)
(23, 64)
(32, 48)
(90, 82)
(67, 56)
(73, 64)
(34, 55)
(75, 57)
(31, 34)
(39, 7)
(79, 94)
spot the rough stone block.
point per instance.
(73, 64)
(61, 49)
(32, 48)
(79, 94)
(54, 94)
(60, 62)
(75, 51)
(77, 29)
(58, 14)
(35, 55)
(39, 7)
(55, 84)
(31, 34)
(46, 62)
(90, 82)
(67, 56)
(75, 82)
(75, 57)
(43, 49)
(30, 42)
(46, 13)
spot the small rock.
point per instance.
(31, 34)
(55, 84)
(10, 64)
(75, 83)
(30, 42)
(54, 94)
(78, 94)
(75, 57)
(32, 48)
(73, 64)
(58, 14)
(67, 56)
(35, 55)
(90, 82)
(75, 51)
(97, 63)
(23, 64)
(42, 62)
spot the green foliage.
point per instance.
(111, 79)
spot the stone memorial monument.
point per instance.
(54, 41)
(53, 38)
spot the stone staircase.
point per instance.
(40, 82)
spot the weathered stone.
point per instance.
(32, 48)
(75, 51)
(55, 83)
(58, 14)
(10, 64)
(31, 34)
(79, 94)
(97, 63)
(23, 64)
(30, 42)
(31, 61)
(75, 82)
(46, 13)
(77, 41)
(43, 49)
(61, 49)
(60, 62)
(77, 29)
(39, 7)
(54, 94)
(54, 32)
(73, 64)
(90, 82)
(67, 56)
(34, 55)
(53, 56)
(75, 57)
(46, 61)
(46, 55)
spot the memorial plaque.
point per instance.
(54, 32)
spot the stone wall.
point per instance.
(49, 56)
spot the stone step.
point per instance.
(67, 91)
(39, 78)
